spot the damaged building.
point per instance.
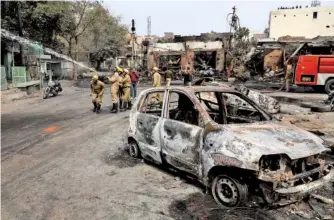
(190, 53)
(272, 55)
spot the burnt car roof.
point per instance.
(199, 88)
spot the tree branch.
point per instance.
(87, 24)
(81, 14)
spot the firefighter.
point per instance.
(156, 83)
(97, 90)
(126, 98)
(114, 90)
(120, 89)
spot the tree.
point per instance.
(66, 26)
(105, 37)
(242, 33)
(75, 20)
(40, 21)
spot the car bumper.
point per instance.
(308, 187)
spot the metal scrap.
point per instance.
(322, 199)
(266, 102)
(292, 165)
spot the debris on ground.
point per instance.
(322, 199)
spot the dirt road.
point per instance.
(61, 161)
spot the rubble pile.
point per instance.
(255, 63)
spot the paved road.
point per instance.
(61, 161)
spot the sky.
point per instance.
(192, 17)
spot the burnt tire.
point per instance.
(134, 150)
(306, 104)
(329, 86)
(310, 104)
(228, 191)
(46, 93)
(323, 108)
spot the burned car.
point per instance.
(228, 142)
(267, 102)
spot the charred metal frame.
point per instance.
(208, 147)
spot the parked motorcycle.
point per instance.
(53, 87)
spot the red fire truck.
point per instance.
(316, 71)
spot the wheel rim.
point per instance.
(133, 150)
(227, 191)
(331, 87)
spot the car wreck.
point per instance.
(270, 104)
(229, 143)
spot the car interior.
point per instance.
(182, 109)
(236, 109)
(232, 109)
(153, 104)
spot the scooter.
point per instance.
(53, 87)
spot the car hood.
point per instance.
(249, 142)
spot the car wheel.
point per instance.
(329, 87)
(46, 92)
(227, 191)
(134, 150)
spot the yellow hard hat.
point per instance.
(155, 68)
(95, 77)
(118, 69)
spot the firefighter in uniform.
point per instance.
(126, 98)
(120, 89)
(114, 90)
(97, 90)
(156, 83)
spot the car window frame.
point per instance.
(266, 115)
(144, 98)
(166, 110)
(221, 106)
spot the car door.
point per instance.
(181, 138)
(148, 122)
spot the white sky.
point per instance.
(191, 17)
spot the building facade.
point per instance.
(185, 55)
(304, 22)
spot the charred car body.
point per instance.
(270, 104)
(228, 142)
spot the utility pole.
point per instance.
(234, 23)
(133, 32)
(149, 26)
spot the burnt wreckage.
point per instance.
(269, 103)
(229, 143)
